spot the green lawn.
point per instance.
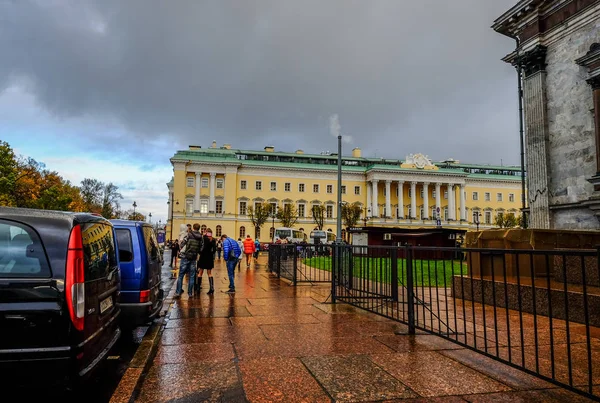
(426, 272)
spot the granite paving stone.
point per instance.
(431, 374)
(355, 378)
(280, 380)
(532, 396)
(194, 352)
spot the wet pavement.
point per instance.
(274, 342)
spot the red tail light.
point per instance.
(74, 279)
(145, 296)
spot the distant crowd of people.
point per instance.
(197, 251)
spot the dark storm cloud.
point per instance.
(403, 76)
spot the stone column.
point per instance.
(413, 199)
(197, 196)
(388, 198)
(211, 200)
(401, 199)
(369, 212)
(375, 195)
(224, 194)
(536, 135)
(451, 202)
(426, 200)
(463, 211)
(438, 197)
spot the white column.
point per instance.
(413, 199)
(375, 196)
(438, 198)
(211, 200)
(426, 200)
(463, 211)
(388, 198)
(451, 202)
(369, 212)
(401, 199)
(197, 196)
(224, 194)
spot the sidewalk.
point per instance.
(274, 342)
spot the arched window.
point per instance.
(343, 234)
(258, 232)
(302, 229)
(329, 230)
(242, 232)
(271, 232)
(218, 231)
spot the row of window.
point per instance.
(301, 187)
(204, 182)
(189, 206)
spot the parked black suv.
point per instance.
(59, 293)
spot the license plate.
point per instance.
(106, 304)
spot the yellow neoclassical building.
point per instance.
(214, 186)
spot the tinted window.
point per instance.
(125, 245)
(151, 244)
(21, 252)
(98, 249)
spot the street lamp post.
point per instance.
(476, 216)
(134, 206)
(273, 224)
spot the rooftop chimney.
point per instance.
(214, 144)
(356, 152)
(195, 147)
(269, 149)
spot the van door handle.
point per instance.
(15, 317)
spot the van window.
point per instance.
(98, 250)
(151, 244)
(21, 252)
(125, 245)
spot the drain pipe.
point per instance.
(521, 139)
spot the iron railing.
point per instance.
(535, 310)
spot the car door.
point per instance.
(154, 261)
(30, 301)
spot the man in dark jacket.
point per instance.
(190, 248)
(174, 251)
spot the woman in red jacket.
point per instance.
(248, 249)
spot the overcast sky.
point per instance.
(111, 89)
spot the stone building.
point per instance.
(558, 55)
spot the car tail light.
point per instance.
(145, 296)
(74, 279)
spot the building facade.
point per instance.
(215, 186)
(558, 56)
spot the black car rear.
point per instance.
(59, 287)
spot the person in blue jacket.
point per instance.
(231, 254)
(256, 248)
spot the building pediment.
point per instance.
(418, 161)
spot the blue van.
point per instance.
(140, 262)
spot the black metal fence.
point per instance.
(535, 310)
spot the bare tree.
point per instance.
(287, 215)
(258, 216)
(318, 214)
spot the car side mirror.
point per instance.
(125, 255)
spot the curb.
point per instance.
(142, 360)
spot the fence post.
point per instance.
(295, 266)
(410, 290)
(394, 277)
(334, 267)
(350, 262)
(278, 254)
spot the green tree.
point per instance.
(258, 216)
(287, 215)
(351, 215)
(506, 220)
(318, 215)
(91, 194)
(8, 174)
(137, 216)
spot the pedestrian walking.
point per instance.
(241, 246)
(207, 261)
(190, 247)
(219, 248)
(248, 249)
(231, 254)
(256, 248)
(174, 246)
